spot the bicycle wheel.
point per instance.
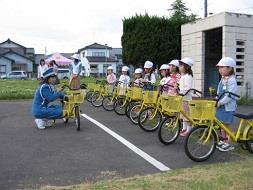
(128, 107)
(134, 113)
(169, 130)
(198, 147)
(149, 119)
(107, 103)
(249, 144)
(119, 106)
(88, 96)
(77, 118)
(97, 99)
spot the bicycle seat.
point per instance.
(244, 116)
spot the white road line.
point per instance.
(135, 149)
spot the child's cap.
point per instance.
(174, 62)
(164, 67)
(138, 71)
(187, 61)
(148, 65)
(109, 68)
(125, 68)
(226, 62)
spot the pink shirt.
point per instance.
(111, 78)
(172, 80)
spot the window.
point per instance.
(240, 43)
(98, 54)
(2, 69)
(239, 56)
(239, 49)
(239, 63)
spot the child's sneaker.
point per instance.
(183, 131)
(184, 134)
(40, 123)
(48, 123)
(224, 147)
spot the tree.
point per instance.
(154, 38)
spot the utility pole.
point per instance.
(205, 8)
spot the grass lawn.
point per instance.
(231, 176)
(24, 89)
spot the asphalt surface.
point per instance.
(31, 158)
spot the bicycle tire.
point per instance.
(201, 132)
(168, 131)
(149, 119)
(107, 103)
(134, 113)
(119, 106)
(249, 144)
(77, 118)
(128, 106)
(89, 96)
(97, 99)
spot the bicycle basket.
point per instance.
(202, 110)
(121, 90)
(76, 96)
(150, 97)
(171, 104)
(136, 93)
(108, 89)
(91, 86)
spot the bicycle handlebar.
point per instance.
(229, 94)
(195, 91)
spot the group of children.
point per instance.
(177, 77)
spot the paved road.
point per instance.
(60, 155)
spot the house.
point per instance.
(14, 56)
(222, 35)
(96, 58)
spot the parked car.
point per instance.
(15, 75)
(63, 73)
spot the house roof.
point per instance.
(95, 46)
(10, 51)
(10, 41)
(2, 56)
(100, 59)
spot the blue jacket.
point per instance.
(43, 96)
(230, 86)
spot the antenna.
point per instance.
(205, 8)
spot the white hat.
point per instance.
(164, 67)
(125, 68)
(75, 56)
(187, 61)
(227, 62)
(138, 71)
(109, 68)
(148, 65)
(174, 62)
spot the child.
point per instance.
(111, 77)
(226, 105)
(164, 72)
(185, 83)
(75, 69)
(138, 77)
(124, 78)
(174, 77)
(149, 75)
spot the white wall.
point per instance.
(235, 27)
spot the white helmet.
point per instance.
(187, 61)
(174, 62)
(75, 56)
(164, 67)
(148, 65)
(227, 62)
(138, 71)
(109, 68)
(125, 68)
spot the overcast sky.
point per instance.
(67, 25)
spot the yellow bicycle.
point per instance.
(201, 141)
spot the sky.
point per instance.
(68, 25)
